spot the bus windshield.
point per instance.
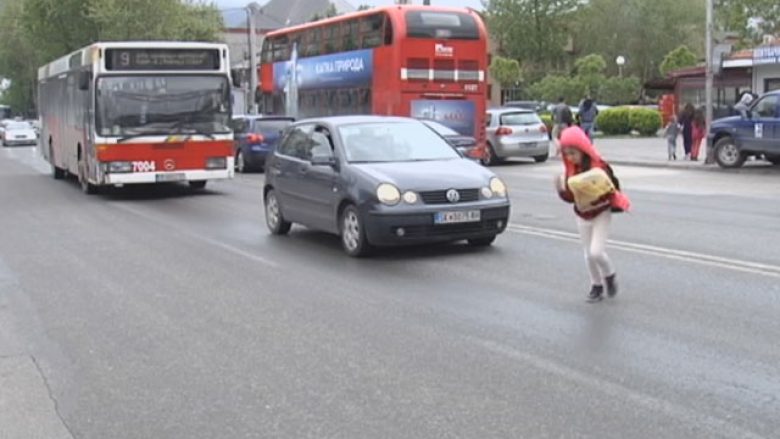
(137, 105)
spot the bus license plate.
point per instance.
(467, 216)
(170, 177)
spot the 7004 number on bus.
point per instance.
(143, 166)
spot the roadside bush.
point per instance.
(647, 122)
(614, 121)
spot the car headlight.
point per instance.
(498, 187)
(487, 193)
(410, 197)
(388, 194)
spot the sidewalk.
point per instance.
(651, 152)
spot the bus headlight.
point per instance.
(216, 163)
(119, 167)
(388, 194)
(498, 187)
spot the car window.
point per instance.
(321, 144)
(520, 118)
(18, 126)
(269, 127)
(377, 142)
(297, 142)
(239, 125)
(767, 106)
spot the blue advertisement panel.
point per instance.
(348, 69)
(460, 115)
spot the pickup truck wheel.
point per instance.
(727, 154)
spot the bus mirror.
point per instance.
(84, 79)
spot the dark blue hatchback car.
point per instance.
(255, 137)
(756, 132)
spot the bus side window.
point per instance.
(388, 31)
(351, 34)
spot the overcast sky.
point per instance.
(476, 4)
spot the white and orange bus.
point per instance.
(138, 112)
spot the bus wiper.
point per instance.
(181, 126)
(135, 136)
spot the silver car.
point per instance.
(514, 132)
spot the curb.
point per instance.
(700, 166)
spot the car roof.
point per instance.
(503, 110)
(348, 120)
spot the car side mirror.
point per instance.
(84, 79)
(323, 160)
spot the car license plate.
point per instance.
(169, 177)
(467, 216)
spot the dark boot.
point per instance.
(596, 293)
(612, 286)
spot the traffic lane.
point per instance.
(741, 227)
(311, 250)
(315, 353)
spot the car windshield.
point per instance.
(520, 118)
(441, 129)
(133, 105)
(382, 142)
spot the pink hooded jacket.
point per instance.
(574, 137)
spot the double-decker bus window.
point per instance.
(441, 25)
(267, 54)
(351, 31)
(371, 29)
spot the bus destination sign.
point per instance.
(162, 59)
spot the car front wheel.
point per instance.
(353, 234)
(727, 154)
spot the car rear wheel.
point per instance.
(490, 158)
(482, 242)
(353, 235)
(240, 163)
(273, 215)
(541, 158)
(727, 154)
(773, 159)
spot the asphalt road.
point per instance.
(161, 313)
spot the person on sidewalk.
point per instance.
(686, 121)
(562, 119)
(590, 184)
(671, 132)
(587, 115)
(699, 133)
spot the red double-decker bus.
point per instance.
(420, 61)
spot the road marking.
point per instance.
(651, 250)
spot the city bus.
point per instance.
(420, 61)
(123, 113)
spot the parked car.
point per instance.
(512, 132)
(255, 137)
(378, 181)
(754, 133)
(466, 145)
(19, 133)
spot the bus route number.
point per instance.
(145, 166)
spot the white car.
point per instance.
(515, 132)
(19, 133)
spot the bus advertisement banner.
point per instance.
(348, 69)
(460, 115)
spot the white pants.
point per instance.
(594, 234)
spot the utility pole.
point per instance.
(251, 10)
(709, 79)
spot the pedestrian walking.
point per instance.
(671, 132)
(587, 115)
(562, 118)
(590, 184)
(699, 132)
(686, 121)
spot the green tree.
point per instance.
(620, 91)
(364, 7)
(677, 59)
(552, 87)
(506, 71)
(640, 30)
(590, 69)
(43, 30)
(739, 15)
(532, 31)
